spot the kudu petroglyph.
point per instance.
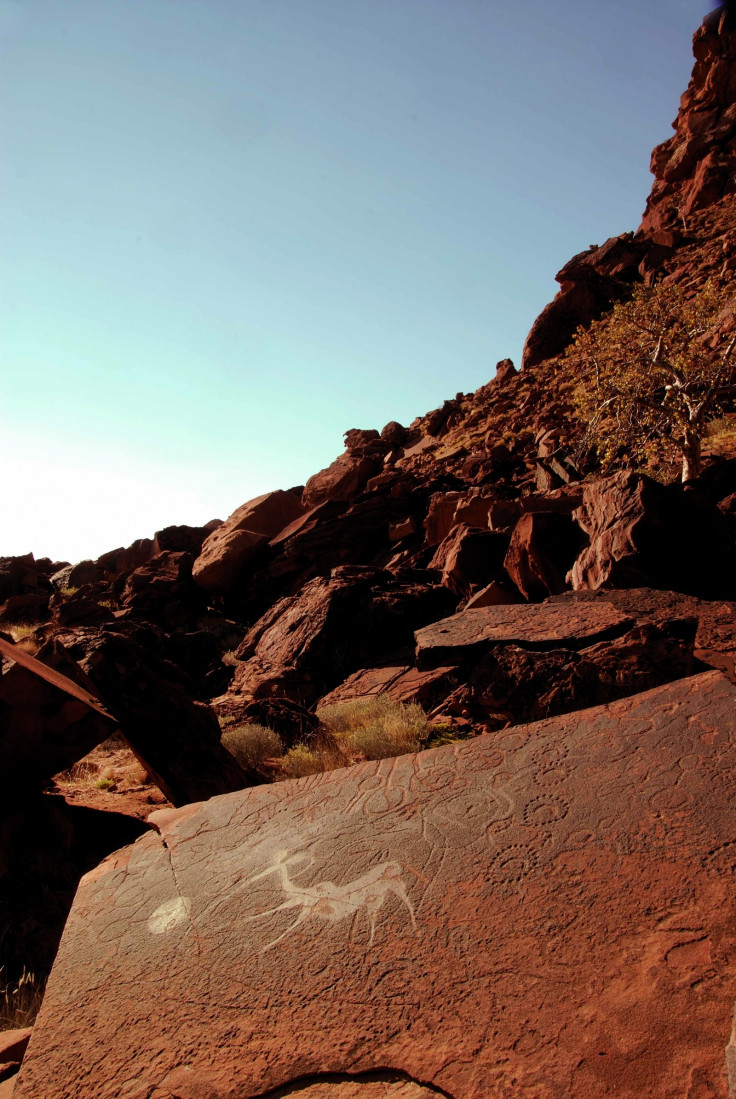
(331, 901)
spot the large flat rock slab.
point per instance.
(541, 625)
(541, 913)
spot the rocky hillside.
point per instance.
(476, 563)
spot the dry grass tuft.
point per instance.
(109, 766)
(376, 727)
(252, 744)
(373, 727)
(20, 1001)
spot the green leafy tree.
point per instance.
(653, 373)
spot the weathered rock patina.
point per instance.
(543, 912)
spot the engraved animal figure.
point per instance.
(331, 901)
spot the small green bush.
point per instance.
(251, 744)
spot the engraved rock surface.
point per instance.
(544, 912)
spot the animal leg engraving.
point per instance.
(331, 901)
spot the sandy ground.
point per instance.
(111, 778)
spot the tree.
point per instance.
(654, 372)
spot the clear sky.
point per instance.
(233, 229)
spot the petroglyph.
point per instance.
(169, 915)
(331, 901)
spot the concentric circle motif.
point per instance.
(550, 755)
(553, 775)
(512, 863)
(546, 809)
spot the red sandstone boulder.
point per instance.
(163, 590)
(81, 612)
(25, 608)
(643, 534)
(440, 516)
(402, 683)
(512, 684)
(694, 169)
(48, 720)
(119, 562)
(505, 370)
(544, 546)
(13, 1045)
(183, 539)
(342, 480)
(447, 509)
(543, 912)
(470, 634)
(84, 572)
(715, 640)
(394, 433)
(21, 576)
(469, 558)
(496, 594)
(308, 643)
(523, 663)
(229, 548)
(176, 738)
(590, 283)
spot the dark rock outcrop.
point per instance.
(174, 737)
(163, 590)
(307, 644)
(544, 546)
(49, 718)
(469, 558)
(234, 544)
(643, 534)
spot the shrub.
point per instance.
(376, 727)
(252, 744)
(653, 373)
(300, 761)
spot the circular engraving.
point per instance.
(169, 915)
(546, 809)
(512, 864)
(553, 775)
(550, 755)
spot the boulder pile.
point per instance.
(540, 904)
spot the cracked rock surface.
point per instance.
(540, 912)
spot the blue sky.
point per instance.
(233, 229)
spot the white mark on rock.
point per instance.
(169, 915)
(331, 901)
